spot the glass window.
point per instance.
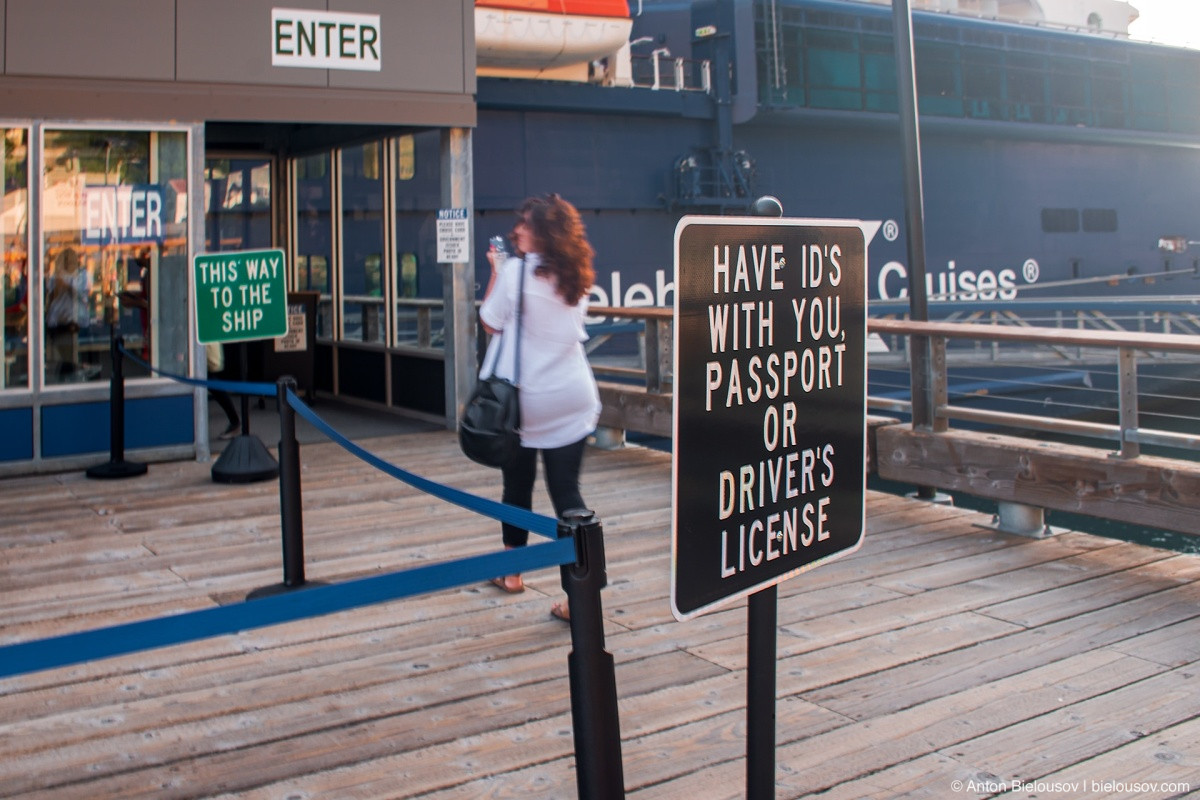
(406, 160)
(407, 283)
(414, 321)
(363, 309)
(314, 235)
(237, 204)
(416, 279)
(114, 251)
(14, 235)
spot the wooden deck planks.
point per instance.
(940, 650)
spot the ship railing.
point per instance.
(1095, 379)
(1140, 316)
(661, 71)
(1126, 351)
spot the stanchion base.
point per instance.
(117, 469)
(281, 588)
(245, 460)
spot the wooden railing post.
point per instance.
(940, 378)
(1127, 401)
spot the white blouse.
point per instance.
(560, 403)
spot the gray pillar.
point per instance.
(196, 245)
(458, 280)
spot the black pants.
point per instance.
(561, 465)
(223, 398)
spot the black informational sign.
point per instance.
(769, 402)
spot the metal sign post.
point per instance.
(769, 473)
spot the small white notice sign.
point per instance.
(452, 235)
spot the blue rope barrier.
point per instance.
(234, 387)
(522, 518)
(133, 637)
(76, 648)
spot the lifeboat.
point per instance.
(557, 39)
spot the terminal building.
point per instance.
(334, 131)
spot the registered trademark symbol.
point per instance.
(1030, 271)
(891, 231)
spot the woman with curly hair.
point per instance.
(560, 403)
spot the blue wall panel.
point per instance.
(16, 442)
(84, 427)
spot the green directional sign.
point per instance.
(240, 296)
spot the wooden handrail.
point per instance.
(966, 330)
(632, 312)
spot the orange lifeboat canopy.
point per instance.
(548, 38)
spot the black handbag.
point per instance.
(489, 432)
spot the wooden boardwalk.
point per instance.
(940, 652)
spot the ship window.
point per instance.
(1060, 220)
(1148, 94)
(1027, 87)
(879, 73)
(1100, 220)
(1068, 91)
(834, 70)
(1182, 99)
(938, 80)
(1108, 95)
(983, 84)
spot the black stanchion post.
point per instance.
(117, 466)
(599, 774)
(245, 459)
(291, 514)
(760, 693)
(291, 509)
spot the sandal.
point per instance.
(509, 583)
(561, 611)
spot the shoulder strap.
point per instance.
(520, 311)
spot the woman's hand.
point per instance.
(495, 258)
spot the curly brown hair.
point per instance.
(566, 254)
